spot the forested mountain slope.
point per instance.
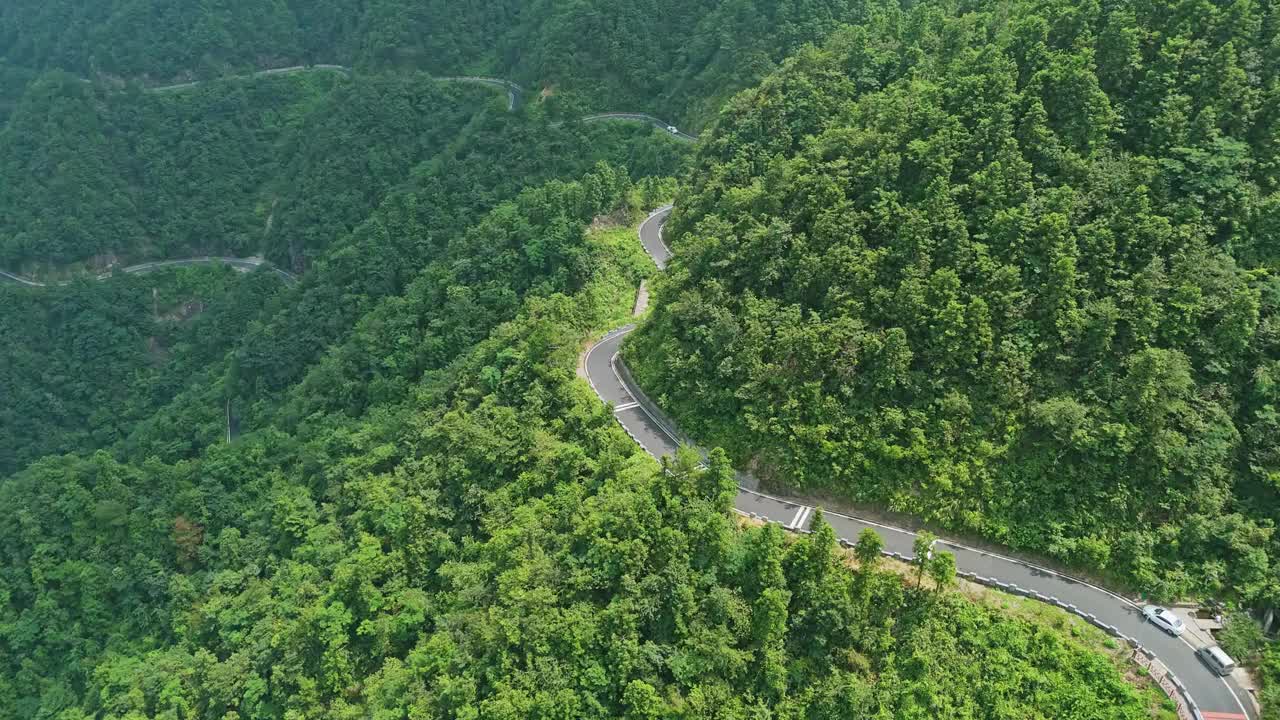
(485, 543)
(83, 372)
(399, 256)
(80, 365)
(897, 260)
(1008, 268)
(274, 165)
(662, 56)
(283, 165)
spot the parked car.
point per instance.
(1164, 619)
(1217, 660)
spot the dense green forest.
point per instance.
(417, 251)
(487, 543)
(82, 364)
(88, 343)
(278, 166)
(229, 168)
(13, 83)
(679, 58)
(1008, 269)
(281, 165)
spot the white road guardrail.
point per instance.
(659, 435)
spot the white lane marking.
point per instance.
(796, 519)
(618, 332)
(892, 528)
(1235, 697)
(625, 406)
(675, 440)
(662, 264)
(802, 514)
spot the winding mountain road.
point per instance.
(1204, 695)
(514, 92)
(1199, 693)
(639, 117)
(339, 69)
(241, 264)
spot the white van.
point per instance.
(1217, 660)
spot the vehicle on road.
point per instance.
(1217, 660)
(672, 129)
(1164, 619)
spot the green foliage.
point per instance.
(402, 233)
(61, 198)
(1242, 638)
(1269, 677)
(82, 363)
(185, 38)
(13, 83)
(922, 553)
(942, 570)
(284, 164)
(1000, 268)
(426, 514)
(678, 58)
(347, 153)
(486, 543)
(868, 549)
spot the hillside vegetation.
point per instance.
(85, 372)
(82, 364)
(1005, 267)
(1011, 269)
(279, 166)
(675, 58)
(283, 165)
(485, 542)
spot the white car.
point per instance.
(672, 129)
(1218, 661)
(1164, 619)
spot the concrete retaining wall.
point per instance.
(650, 406)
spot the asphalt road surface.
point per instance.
(640, 117)
(1217, 698)
(241, 264)
(514, 91)
(341, 70)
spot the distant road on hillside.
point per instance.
(241, 264)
